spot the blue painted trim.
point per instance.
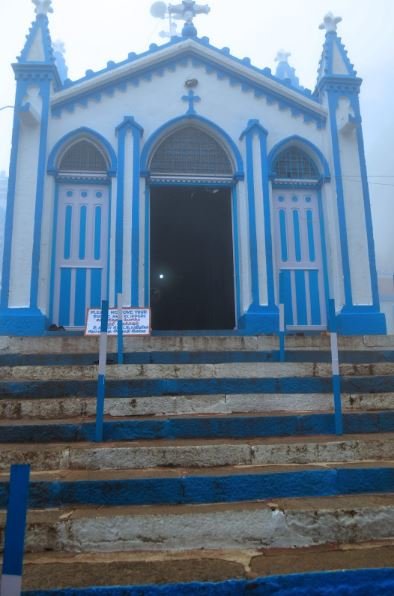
(283, 235)
(297, 235)
(336, 386)
(267, 217)
(341, 583)
(16, 520)
(323, 243)
(80, 297)
(98, 215)
(314, 153)
(98, 436)
(252, 220)
(236, 251)
(311, 236)
(22, 321)
(67, 232)
(135, 220)
(121, 131)
(209, 489)
(53, 254)
(9, 220)
(361, 320)
(192, 119)
(327, 60)
(89, 134)
(367, 208)
(82, 232)
(332, 102)
(147, 247)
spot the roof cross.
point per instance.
(43, 6)
(191, 98)
(330, 23)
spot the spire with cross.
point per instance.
(186, 12)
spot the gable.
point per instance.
(161, 60)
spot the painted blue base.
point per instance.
(207, 489)
(359, 582)
(259, 319)
(22, 321)
(360, 321)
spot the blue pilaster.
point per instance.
(338, 79)
(259, 317)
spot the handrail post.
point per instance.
(282, 332)
(101, 371)
(120, 329)
(14, 542)
(336, 378)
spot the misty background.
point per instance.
(95, 32)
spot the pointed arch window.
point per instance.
(190, 151)
(294, 164)
(83, 156)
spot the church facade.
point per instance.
(187, 180)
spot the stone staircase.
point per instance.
(218, 462)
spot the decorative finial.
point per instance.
(282, 56)
(186, 12)
(330, 23)
(43, 6)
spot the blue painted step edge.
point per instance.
(212, 427)
(208, 489)
(162, 387)
(360, 582)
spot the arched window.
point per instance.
(295, 164)
(83, 156)
(190, 150)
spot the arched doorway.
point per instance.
(81, 251)
(298, 239)
(191, 232)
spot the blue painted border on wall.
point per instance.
(207, 489)
(362, 582)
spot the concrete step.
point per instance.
(233, 370)
(196, 427)
(278, 523)
(62, 570)
(200, 454)
(203, 486)
(78, 344)
(367, 356)
(182, 405)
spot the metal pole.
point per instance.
(336, 379)
(101, 371)
(14, 543)
(120, 329)
(282, 332)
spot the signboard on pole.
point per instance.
(136, 321)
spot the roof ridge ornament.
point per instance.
(282, 56)
(330, 23)
(186, 12)
(43, 7)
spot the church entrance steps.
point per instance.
(208, 427)
(187, 486)
(103, 569)
(181, 405)
(200, 454)
(235, 370)
(77, 344)
(278, 523)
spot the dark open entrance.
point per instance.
(191, 262)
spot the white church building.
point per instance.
(192, 182)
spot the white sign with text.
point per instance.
(136, 321)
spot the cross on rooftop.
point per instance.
(330, 23)
(43, 6)
(187, 10)
(282, 56)
(191, 99)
